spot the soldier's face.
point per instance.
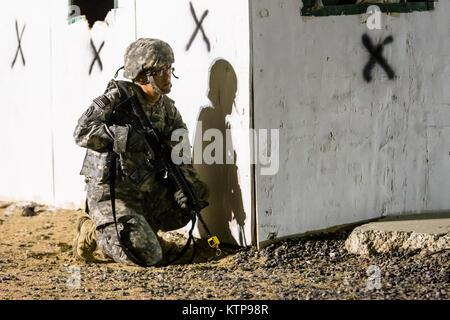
(163, 79)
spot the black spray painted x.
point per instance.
(198, 27)
(376, 57)
(19, 45)
(96, 56)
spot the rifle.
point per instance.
(130, 112)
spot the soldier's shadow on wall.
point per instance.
(225, 215)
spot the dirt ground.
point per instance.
(36, 263)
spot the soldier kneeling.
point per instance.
(144, 202)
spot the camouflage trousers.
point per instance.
(139, 217)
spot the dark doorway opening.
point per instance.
(94, 10)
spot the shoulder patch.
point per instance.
(102, 101)
(89, 111)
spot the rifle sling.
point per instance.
(112, 178)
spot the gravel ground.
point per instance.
(36, 263)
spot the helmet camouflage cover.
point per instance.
(146, 53)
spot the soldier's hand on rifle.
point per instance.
(181, 199)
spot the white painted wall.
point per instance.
(73, 89)
(42, 101)
(350, 150)
(25, 95)
(226, 26)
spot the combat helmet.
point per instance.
(146, 54)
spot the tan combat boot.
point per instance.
(85, 244)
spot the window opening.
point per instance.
(91, 10)
(348, 7)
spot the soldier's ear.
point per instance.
(141, 79)
(138, 80)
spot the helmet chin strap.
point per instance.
(152, 82)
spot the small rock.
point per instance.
(5, 204)
(29, 212)
(19, 207)
(48, 225)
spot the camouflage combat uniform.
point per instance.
(144, 201)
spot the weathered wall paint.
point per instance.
(350, 150)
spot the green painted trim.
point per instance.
(116, 4)
(348, 9)
(68, 13)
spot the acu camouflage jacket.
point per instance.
(97, 132)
